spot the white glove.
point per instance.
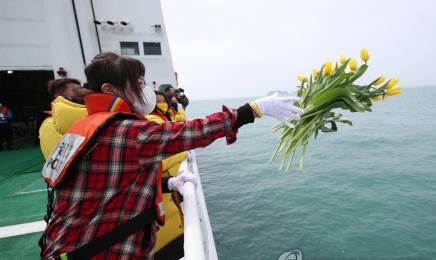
(277, 107)
(191, 156)
(179, 105)
(176, 183)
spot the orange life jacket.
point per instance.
(80, 141)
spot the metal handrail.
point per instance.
(199, 243)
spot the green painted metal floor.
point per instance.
(23, 198)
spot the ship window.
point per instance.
(152, 48)
(129, 48)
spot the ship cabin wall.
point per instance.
(25, 56)
(41, 36)
(144, 38)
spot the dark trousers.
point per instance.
(5, 135)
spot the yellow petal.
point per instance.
(342, 58)
(392, 82)
(364, 55)
(303, 90)
(394, 91)
(376, 98)
(327, 69)
(352, 64)
(396, 88)
(302, 78)
(345, 118)
(379, 80)
(314, 73)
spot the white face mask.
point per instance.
(181, 94)
(150, 101)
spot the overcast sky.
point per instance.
(246, 48)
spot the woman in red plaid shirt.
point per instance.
(118, 177)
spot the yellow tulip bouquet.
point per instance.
(320, 94)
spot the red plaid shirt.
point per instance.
(117, 181)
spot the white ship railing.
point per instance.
(199, 242)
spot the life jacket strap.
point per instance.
(116, 235)
(50, 199)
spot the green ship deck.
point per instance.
(23, 199)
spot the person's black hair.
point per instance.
(168, 88)
(119, 71)
(58, 86)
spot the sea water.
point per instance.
(367, 191)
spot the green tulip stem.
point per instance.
(302, 157)
(275, 153)
(283, 162)
(290, 161)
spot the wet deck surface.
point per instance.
(23, 199)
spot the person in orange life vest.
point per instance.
(5, 127)
(113, 174)
(136, 175)
(182, 98)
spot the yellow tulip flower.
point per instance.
(328, 68)
(302, 78)
(379, 80)
(352, 64)
(303, 90)
(345, 118)
(376, 98)
(394, 91)
(391, 83)
(364, 55)
(342, 58)
(314, 73)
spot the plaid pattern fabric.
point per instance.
(117, 181)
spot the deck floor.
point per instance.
(23, 199)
